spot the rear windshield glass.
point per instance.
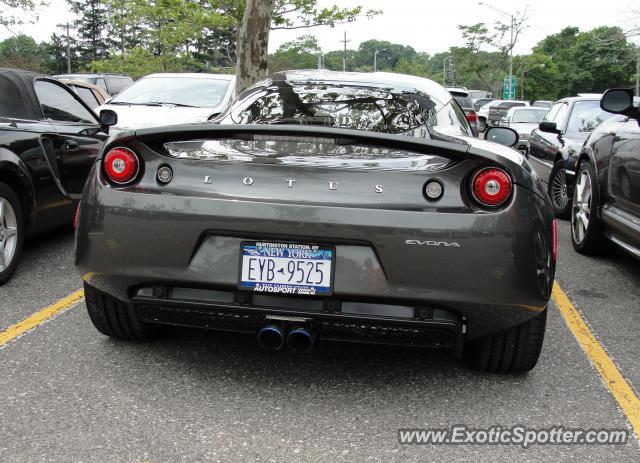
(463, 100)
(351, 107)
(531, 116)
(181, 91)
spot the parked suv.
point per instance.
(110, 83)
(462, 96)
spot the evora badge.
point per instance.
(431, 243)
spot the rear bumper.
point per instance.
(330, 320)
(127, 241)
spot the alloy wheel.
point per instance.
(8, 233)
(581, 213)
(559, 192)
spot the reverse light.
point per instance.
(491, 186)
(121, 165)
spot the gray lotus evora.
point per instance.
(323, 206)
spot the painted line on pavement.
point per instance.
(29, 323)
(600, 359)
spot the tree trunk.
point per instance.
(252, 45)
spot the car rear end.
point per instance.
(466, 103)
(401, 241)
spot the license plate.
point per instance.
(287, 268)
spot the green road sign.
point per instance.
(509, 93)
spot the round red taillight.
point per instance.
(121, 165)
(491, 186)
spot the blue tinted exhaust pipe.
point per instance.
(300, 340)
(270, 337)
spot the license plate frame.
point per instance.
(288, 288)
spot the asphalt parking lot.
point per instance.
(71, 394)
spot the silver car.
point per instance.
(523, 120)
(172, 98)
(324, 206)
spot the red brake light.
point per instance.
(472, 116)
(491, 186)
(75, 218)
(121, 165)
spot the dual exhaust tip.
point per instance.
(299, 340)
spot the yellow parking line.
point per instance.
(34, 320)
(603, 363)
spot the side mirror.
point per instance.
(549, 127)
(618, 101)
(502, 135)
(108, 118)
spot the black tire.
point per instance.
(592, 241)
(7, 269)
(114, 318)
(482, 124)
(514, 351)
(559, 191)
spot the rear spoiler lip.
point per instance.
(457, 150)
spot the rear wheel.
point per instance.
(115, 319)
(482, 124)
(586, 228)
(558, 190)
(11, 232)
(513, 351)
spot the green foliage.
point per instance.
(10, 9)
(139, 62)
(22, 52)
(301, 53)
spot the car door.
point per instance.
(623, 178)
(544, 146)
(72, 148)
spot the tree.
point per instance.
(301, 53)
(21, 52)
(10, 11)
(259, 17)
(92, 43)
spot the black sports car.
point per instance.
(554, 146)
(49, 140)
(606, 200)
(324, 206)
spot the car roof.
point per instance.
(382, 80)
(90, 74)
(581, 97)
(191, 75)
(461, 90)
(18, 95)
(81, 83)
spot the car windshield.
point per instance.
(181, 91)
(586, 116)
(528, 116)
(344, 106)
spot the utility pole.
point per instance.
(512, 26)
(68, 50)
(344, 57)
(66, 26)
(638, 74)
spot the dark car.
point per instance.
(49, 139)
(462, 96)
(606, 200)
(324, 206)
(554, 146)
(480, 102)
(110, 83)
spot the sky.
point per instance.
(426, 25)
